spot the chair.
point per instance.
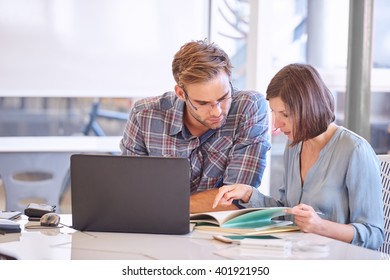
(385, 174)
(52, 167)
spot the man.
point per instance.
(221, 131)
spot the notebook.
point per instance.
(112, 193)
(10, 215)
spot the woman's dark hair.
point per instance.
(308, 101)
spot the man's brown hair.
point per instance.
(199, 61)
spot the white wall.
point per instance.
(95, 45)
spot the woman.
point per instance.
(332, 176)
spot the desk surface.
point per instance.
(60, 144)
(65, 243)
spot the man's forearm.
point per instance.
(203, 202)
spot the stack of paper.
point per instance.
(7, 226)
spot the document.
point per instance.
(243, 221)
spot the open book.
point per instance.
(243, 221)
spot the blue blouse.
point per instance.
(344, 184)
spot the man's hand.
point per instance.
(228, 193)
(203, 202)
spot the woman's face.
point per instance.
(281, 118)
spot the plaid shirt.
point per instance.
(234, 153)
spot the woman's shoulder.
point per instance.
(349, 137)
(348, 140)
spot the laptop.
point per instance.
(132, 194)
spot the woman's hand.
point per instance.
(228, 193)
(308, 221)
(306, 218)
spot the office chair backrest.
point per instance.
(385, 174)
(52, 167)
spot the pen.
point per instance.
(265, 244)
(320, 213)
(274, 244)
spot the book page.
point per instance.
(255, 219)
(278, 226)
(221, 217)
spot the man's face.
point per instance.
(208, 103)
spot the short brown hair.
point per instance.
(309, 101)
(199, 61)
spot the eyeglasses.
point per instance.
(207, 106)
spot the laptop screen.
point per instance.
(130, 194)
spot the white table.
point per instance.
(66, 243)
(50, 158)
